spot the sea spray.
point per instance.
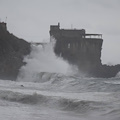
(43, 59)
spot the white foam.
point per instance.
(42, 59)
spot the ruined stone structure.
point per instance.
(81, 49)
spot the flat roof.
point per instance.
(92, 34)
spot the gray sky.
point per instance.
(30, 20)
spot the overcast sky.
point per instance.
(31, 19)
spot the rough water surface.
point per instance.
(48, 88)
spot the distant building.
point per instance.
(77, 47)
(77, 33)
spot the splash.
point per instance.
(42, 59)
(118, 75)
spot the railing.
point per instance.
(92, 36)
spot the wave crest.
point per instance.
(58, 102)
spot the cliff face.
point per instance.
(12, 51)
(84, 52)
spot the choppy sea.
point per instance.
(48, 88)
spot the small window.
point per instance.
(69, 45)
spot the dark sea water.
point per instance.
(48, 88)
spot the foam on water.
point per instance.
(83, 103)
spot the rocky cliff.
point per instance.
(12, 52)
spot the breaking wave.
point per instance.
(43, 59)
(58, 102)
(44, 67)
(78, 106)
(67, 83)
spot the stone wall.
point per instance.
(85, 53)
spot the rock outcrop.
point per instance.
(83, 50)
(12, 52)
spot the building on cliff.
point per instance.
(79, 48)
(82, 49)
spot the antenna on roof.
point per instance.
(6, 20)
